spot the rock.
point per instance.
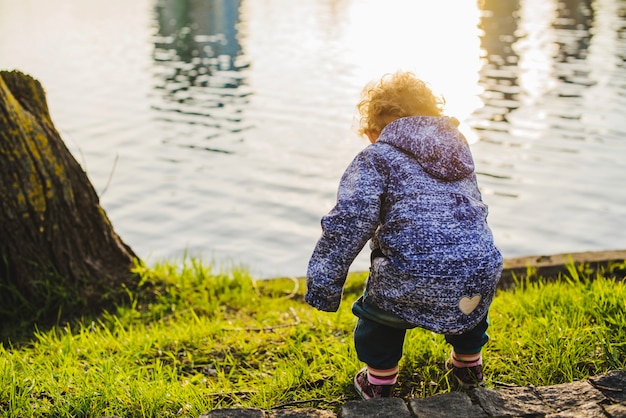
(514, 402)
(590, 410)
(302, 413)
(453, 404)
(376, 408)
(616, 410)
(612, 385)
(568, 396)
(234, 413)
(257, 413)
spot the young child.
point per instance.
(434, 265)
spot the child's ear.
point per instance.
(373, 136)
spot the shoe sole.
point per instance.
(358, 388)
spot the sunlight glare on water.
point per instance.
(436, 40)
(536, 49)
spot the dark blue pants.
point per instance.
(379, 336)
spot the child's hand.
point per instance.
(321, 303)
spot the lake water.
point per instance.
(220, 128)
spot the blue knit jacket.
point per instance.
(414, 194)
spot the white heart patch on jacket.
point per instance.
(468, 304)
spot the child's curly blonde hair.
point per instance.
(393, 97)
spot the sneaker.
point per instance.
(367, 390)
(469, 375)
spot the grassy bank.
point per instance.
(208, 339)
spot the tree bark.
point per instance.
(59, 250)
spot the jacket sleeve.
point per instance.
(345, 231)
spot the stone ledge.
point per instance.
(601, 396)
(551, 266)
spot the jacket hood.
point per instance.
(435, 142)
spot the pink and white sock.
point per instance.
(382, 376)
(466, 360)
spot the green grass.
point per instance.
(194, 339)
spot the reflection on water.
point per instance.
(198, 63)
(229, 121)
(552, 79)
(524, 45)
(498, 75)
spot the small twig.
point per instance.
(294, 314)
(296, 287)
(306, 401)
(273, 327)
(231, 395)
(506, 385)
(256, 288)
(80, 151)
(296, 403)
(259, 329)
(106, 186)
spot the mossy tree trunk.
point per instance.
(59, 250)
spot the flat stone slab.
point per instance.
(568, 396)
(302, 413)
(612, 385)
(590, 410)
(234, 413)
(376, 408)
(513, 402)
(616, 410)
(453, 404)
(257, 413)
